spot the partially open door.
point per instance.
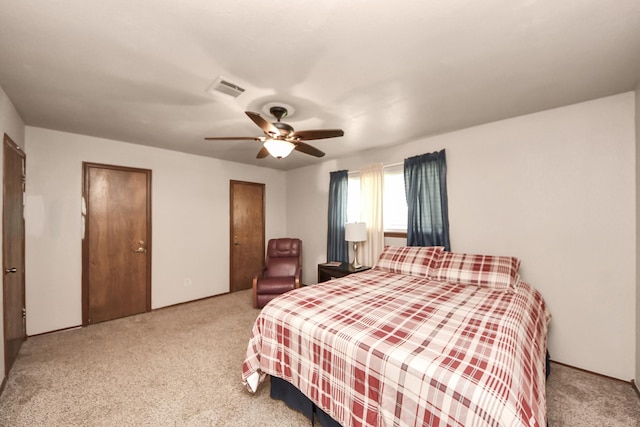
(13, 284)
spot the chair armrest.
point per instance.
(298, 276)
(260, 273)
(254, 284)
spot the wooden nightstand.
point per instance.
(328, 272)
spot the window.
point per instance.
(394, 199)
(395, 204)
(353, 197)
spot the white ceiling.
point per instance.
(386, 72)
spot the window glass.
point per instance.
(394, 200)
(353, 198)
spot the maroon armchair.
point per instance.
(281, 273)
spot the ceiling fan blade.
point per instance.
(262, 153)
(235, 138)
(307, 135)
(265, 125)
(308, 149)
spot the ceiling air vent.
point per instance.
(224, 86)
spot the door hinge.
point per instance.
(24, 313)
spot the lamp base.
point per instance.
(355, 264)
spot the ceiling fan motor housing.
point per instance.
(280, 112)
(285, 129)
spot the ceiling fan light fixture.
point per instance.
(279, 148)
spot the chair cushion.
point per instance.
(281, 267)
(275, 285)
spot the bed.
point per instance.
(426, 337)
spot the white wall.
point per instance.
(557, 190)
(190, 220)
(637, 377)
(10, 123)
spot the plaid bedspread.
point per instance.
(385, 349)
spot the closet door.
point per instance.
(247, 239)
(117, 242)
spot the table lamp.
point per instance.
(355, 232)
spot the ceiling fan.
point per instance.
(280, 139)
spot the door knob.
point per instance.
(10, 270)
(141, 248)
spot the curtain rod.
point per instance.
(393, 164)
(357, 171)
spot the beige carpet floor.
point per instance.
(181, 366)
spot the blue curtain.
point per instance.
(337, 247)
(425, 182)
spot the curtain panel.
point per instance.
(337, 247)
(371, 207)
(426, 191)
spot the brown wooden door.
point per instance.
(247, 233)
(13, 249)
(116, 247)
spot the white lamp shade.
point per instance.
(279, 148)
(355, 232)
